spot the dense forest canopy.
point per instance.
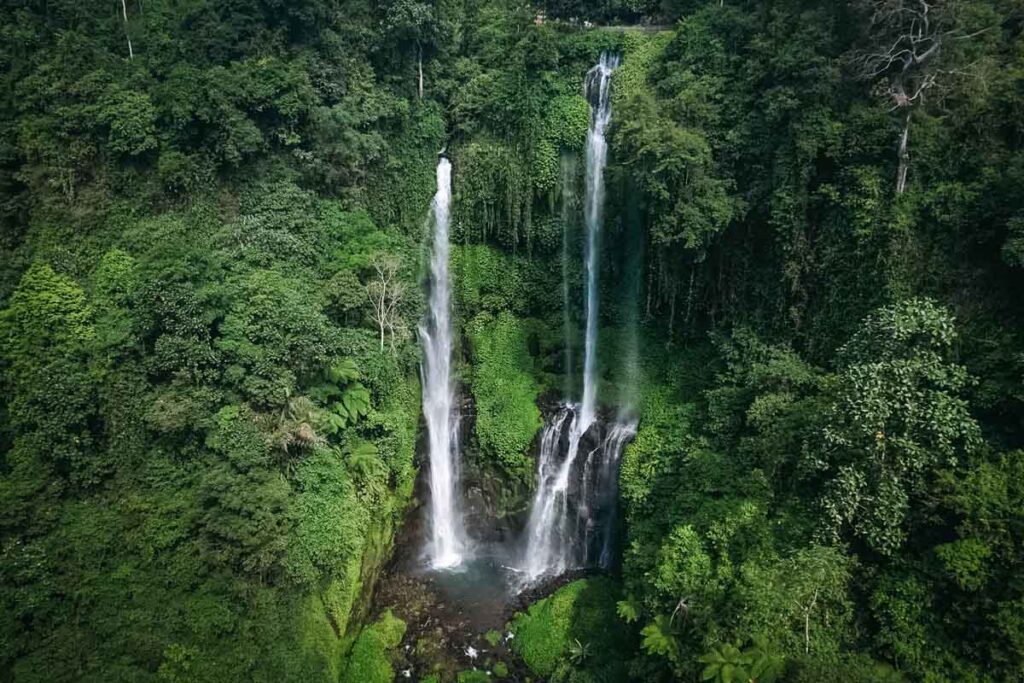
(212, 259)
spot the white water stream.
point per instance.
(557, 511)
(447, 543)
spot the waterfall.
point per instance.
(568, 164)
(546, 532)
(598, 92)
(571, 506)
(572, 520)
(447, 535)
(621, 433)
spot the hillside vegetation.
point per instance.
(813, 248)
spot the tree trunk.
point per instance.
(124, 13)
(672, 313)
(904, 156)
(807, 623)
(689, 297)
(419, 65)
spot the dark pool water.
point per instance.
(479, 589)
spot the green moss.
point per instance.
(369, 661)
(505, 390)
(473, 676)
(584, 610)
(542, 633)
(500, 670)
(493, 638)
(317, 636)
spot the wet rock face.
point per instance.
(487, 520)
(573, 517)
(494, 503)
(444, 635)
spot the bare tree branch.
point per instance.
(386, 293)
(911, 35)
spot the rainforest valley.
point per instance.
(714, 307)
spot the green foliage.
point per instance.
(189, 467)
(495, 195)
(202, 450)
(573, 634)
(728, 664)
(369, 660)
(345, 400)
(505, 390)
(897, 416)
(674, 167)
(272, 335)
(487, 279)
(564, 128)
(243, 502)
(665, 147)
(330, 522)
(661, 639)
(628, 610)
(47, 330)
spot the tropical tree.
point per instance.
(897, 417)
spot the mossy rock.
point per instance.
(583, 610)
(370, 660)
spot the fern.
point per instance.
(659, 638)
(343, 372)
(628, 610)
(356, 401)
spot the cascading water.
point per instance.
(447, 534)
(572, 520)
(598, 91)
(566, 510)
(621, 433)
(546, 529)
(567, 162)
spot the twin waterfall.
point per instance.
(572, 517)
(447, 535)
(598, 91)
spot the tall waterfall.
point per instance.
(447, 535)
(570, 505)
(568, 164)
(598, 91)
